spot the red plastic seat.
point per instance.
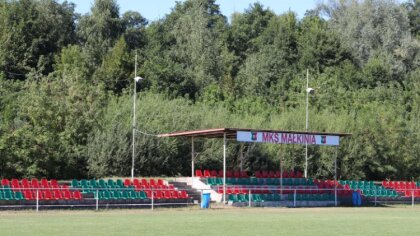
(144, 182)
(206, 173)
(44, 183)
(25, 184)
(127, 182)
(66, 194)
(15, 185)
(220, 173)
(56, 194)
(39, 193)
(160, 182)
(136, 182)
(174, 194)
(167, 194)
(77, 195)
(292, 174)
(237, 174)
(64, 187)
(47, 194)
(148, 193)
(213, 173)
(271, 174)
(258, 174)
(153, 182)
(184, 194)
(265, 174)
(5, 182)
(28, 195)
(157, 194)
(229, 174)
(34, 183)
(198, 173)
(299, 174)
(244, 174)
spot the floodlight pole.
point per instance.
(134, 120)
(136, 80)
(307, 123)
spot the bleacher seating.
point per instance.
(126, 189)
(243, 174)
(369, 189)
(24, 189)
(404, 188)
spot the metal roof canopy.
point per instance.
(231, 133)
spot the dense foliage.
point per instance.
(66, 87)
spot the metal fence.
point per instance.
(287, 196)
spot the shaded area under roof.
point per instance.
(231, 133)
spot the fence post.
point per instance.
(97, 199)
(153, 198)
(294, 198)
(249, 197)
(37, 200)
(412, 199)
(375, 197)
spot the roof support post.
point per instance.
(335, 176)
(224, 167)
(192, 161)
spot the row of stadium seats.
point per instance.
(400, 185)
(268, 190)
(18, 185)
(92, 185)
(245, 198)
(44, 194)
(147, 194)
(368, 188)
(260, 181)
(277, 197)
(244, 174)
(311, 197)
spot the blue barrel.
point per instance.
(356, 199)
(205, 200)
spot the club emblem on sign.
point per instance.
(323, 139)
(254, 136)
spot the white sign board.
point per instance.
(287, 138)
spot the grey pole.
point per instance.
(335, 177)
(192, 161)
(224, 167)
(134, 120)
(307, 122)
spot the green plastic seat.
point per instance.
(233, 198)
(219, 181)
(241, 198)
(254, 181)
(74, 183)
(8, 195)
(309, 182)
(119, 183)
(116, 194)
(111, 184)
(290, 197)
(269, 181)
(257, 198)
(124, 195)
(141, 195)
(93, 183)
(102, 184)
(1, 195)
(211, 181)
(132, 194)
(19, 196)
(105, 194)
(276, 197)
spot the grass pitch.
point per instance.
(231, 221)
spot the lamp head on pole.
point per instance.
(310, 90)
(138, 78)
